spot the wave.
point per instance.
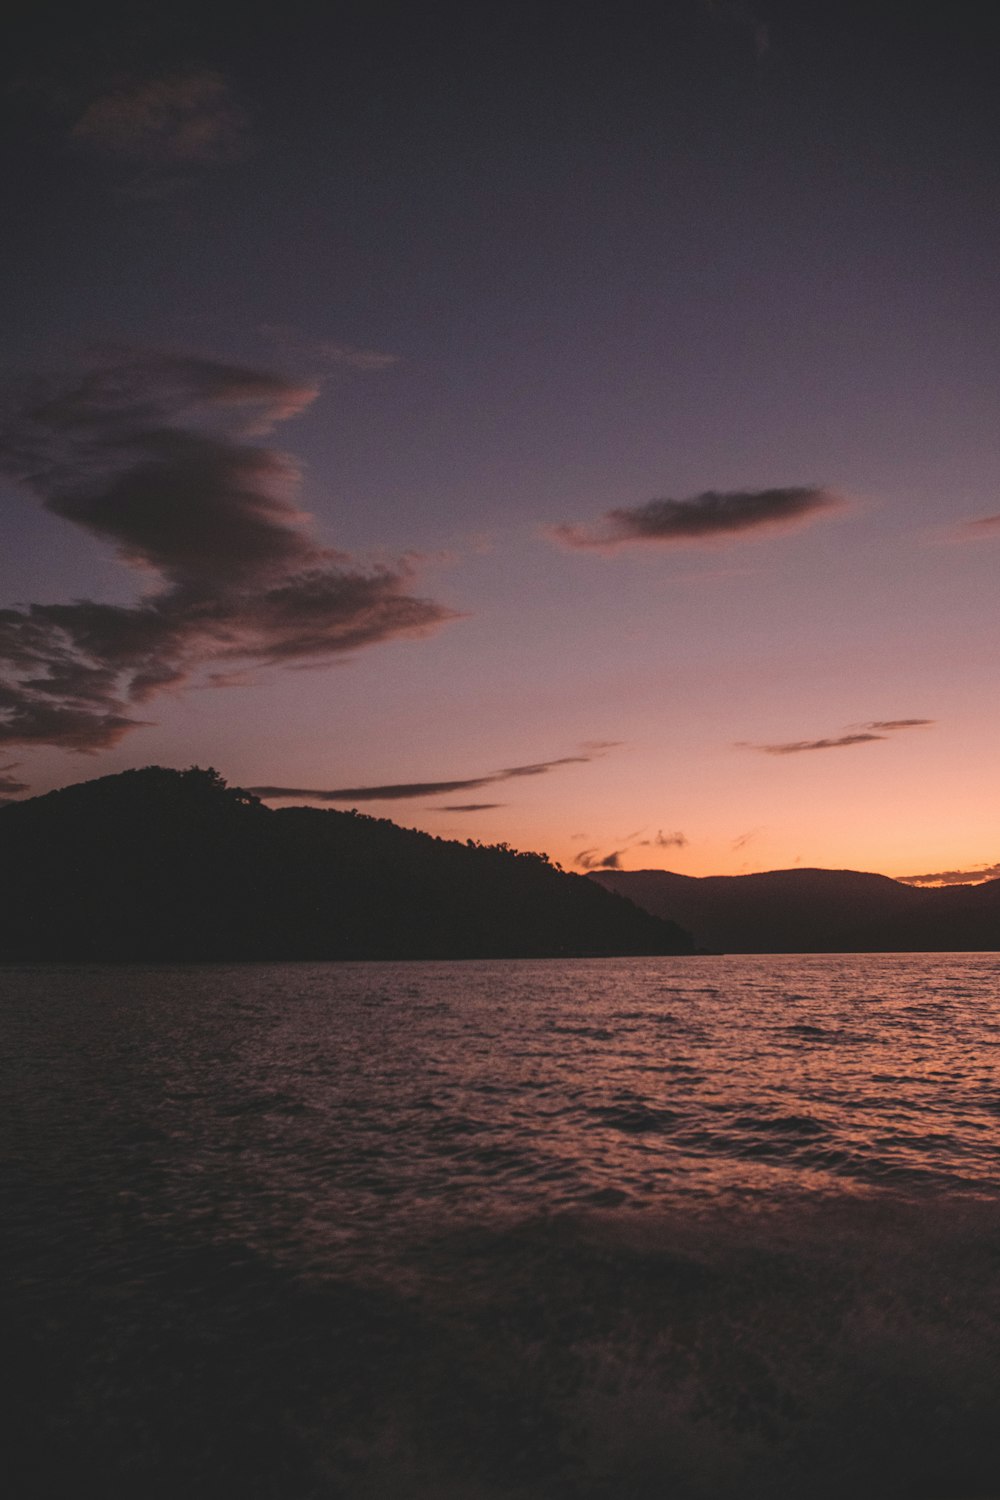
(634, 1117)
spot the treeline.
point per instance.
(159, 865)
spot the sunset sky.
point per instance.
(573, 425)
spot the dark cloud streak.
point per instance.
(404, 791)
(865, 734)
(893, 724)
(795, 747)
(702, 518)
(467, 807)
(974, 876)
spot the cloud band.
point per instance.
(704, 517)
(407, 790)
(864, 734)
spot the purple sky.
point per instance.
(572, 425)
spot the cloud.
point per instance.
(406, 790)
(975, 876)
(468, 807)
(10, 787)
(703, 518)
(666, 841)
(794, 747)
(590, 859)
(985, 526)
(152, 453)
(877, 729)
(173, 122)
(327, 351)
(356, 359)
(891, 724)
(741, 840)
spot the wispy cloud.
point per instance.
(153, 454)
(975, 876)
(984, 526)
(706, 517)
(406, 790)
(10, 787)
(893, 724)
(742, 839)
(465, 807)
(306, 350)
(864, 734)
(665, 841)
(165, 127)
(795, 747)
(591, 859)
(356, 359)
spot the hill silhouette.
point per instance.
(160, 864)
(816, 911)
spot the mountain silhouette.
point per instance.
(160, 864)
(815, 911)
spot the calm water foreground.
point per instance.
(653, 1229)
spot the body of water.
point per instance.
(676, 1227)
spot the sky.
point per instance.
(570, 425)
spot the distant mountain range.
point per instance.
(815, 911)
(161, 865)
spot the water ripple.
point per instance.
(301, 1100)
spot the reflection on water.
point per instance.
(649, 1228)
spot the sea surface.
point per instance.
(643, 1229)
